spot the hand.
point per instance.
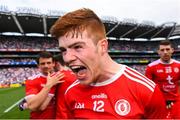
(169, 104)
(54, 79)
(22, 105)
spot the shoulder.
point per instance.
(68, 75)
(138, 78)
(156, 62)
(69, 72)
(75, 83)
(176, 61)
(34, 77)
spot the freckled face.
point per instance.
(82, 56)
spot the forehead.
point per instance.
(42, 60)
(72, 38)
(164, 46)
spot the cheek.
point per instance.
(52, 66)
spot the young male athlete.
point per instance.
(104, 89)
(40, 89)
(166, 73)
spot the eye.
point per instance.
(77, 47)
(42, 63)
(62, 51)
(48, 63)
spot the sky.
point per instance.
(157, 11)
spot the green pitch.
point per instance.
(8, 98)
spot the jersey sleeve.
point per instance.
(31, 87)
(148, 73)
(156, 107)
(62, 111)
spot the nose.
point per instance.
(69, 56)
(46, 65)
(165, 51)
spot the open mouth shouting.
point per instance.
(80, 71)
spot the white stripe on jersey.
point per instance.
(36, 76)
(141, 76)
(72, 85)
(154, 63)
(176, 61)
(29, 96)
(145, 83)
(159, 61)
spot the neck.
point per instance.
(166, 61)
(110, 70)
(46, 74)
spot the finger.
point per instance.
(60, 76)
(48, 76)
(168, 106)
(172, 103)
(49, 73)
(61, 81)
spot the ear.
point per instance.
(158, 52)
(103, 45)
(172, 50)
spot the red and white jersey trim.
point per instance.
(29, 96)
(72, 85)
(129, 73)
(142, 80)
(159, 61)
(112, 79)
(141, 77)
(37, 76)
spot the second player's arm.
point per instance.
(41, 100)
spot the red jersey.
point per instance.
(69, 78)
(128, 94)
(176, 109)
(33, 87)
(166, 76)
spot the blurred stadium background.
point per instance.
(25, 32)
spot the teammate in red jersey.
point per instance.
(40, 89)
(104, 89)
(69, 78)
(166, 73)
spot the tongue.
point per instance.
(81, 73)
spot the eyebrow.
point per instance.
(70, 46)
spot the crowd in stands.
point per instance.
(8, 42)
(13, 75)
(138, 45)
(9, 75)
(139, 68)
(19, 60)
(27, 43)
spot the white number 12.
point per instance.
(98, 106)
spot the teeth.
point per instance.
(75, 67)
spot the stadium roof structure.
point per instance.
(25, 23)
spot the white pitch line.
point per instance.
(7, 110)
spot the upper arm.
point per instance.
(31, 87)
